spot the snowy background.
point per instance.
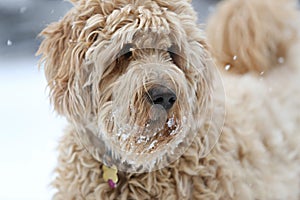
(29, 129)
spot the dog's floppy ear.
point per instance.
(63, 55)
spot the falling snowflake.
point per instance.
(9, 43)
(281, 60)
(23, 9)
(227, 67)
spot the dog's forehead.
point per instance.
(141, 22)
(151, 40)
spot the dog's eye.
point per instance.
(173, 52)
(126, 51)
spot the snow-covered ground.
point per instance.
(29, 131)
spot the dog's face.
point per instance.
(133, 78)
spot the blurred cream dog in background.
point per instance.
(256, 45)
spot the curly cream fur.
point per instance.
(257, 155)
(253, 35)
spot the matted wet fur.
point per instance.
(108, 54)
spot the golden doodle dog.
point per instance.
(151, 117)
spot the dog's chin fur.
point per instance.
(103, 57)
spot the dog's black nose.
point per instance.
(163, 96)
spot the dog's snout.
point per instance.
(163, 96)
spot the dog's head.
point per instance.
(133, 77)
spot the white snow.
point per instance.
(9, 42)
(23, 9)
(29, 132)
(171, 122)
(152, 145)
(142, 139)
(227, 67)
(280, 60)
